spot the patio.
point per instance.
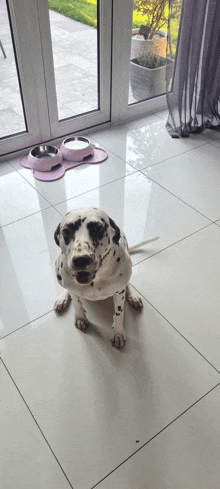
(75, 71)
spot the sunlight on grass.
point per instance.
(85, 11)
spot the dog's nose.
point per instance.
(81, 261)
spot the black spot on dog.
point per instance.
(70, 229)
(119, 308)
(83, 219)
(122, 291)
(114, 253)
(118, 259)
(96, 230)
(108, 240)
(117, 235)
(106, 254)
(57, 232)
(61, 264)
(92, 284)
(120, 275)
(59, 277)
(117, 314)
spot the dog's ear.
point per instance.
(57, 232)
(117, 235)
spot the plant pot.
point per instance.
(145, 44)
(147, 82)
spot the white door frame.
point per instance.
(29, 62)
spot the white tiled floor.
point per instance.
(75, 411)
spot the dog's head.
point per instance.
(86, 237)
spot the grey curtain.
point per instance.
(194, 90)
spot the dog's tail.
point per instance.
(136, 248)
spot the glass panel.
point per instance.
(74, 44)
(148, 50)
(12, 120)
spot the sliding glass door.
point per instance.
(77, 64)
(60, 75)
(56, 71)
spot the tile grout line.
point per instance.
(181, 200)
(3, 363)
(167, 320)
(95, 188)
(83, 193)
(155, 436)
(204, 143)
(26, 324)
(173, 244)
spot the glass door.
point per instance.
(133, 93)
(77, 63)
(60, 75)
(55, 70)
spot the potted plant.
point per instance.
(148, 73)
(154, 12)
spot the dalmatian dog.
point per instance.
(94, 264)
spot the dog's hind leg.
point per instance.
(133, 299)
(62, 302)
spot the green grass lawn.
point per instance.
(85, 11)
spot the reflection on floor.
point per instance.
(76, 412)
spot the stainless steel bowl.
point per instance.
(44, 156)
(44, 151)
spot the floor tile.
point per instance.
(159, 214)
(77, 180)
(26, 459)
(194, 177)
(163, 114)
(182, 282)
(28, 283)
(144, 142)
(91, 401)
(18, 199)
(185, 455)
(212, 136)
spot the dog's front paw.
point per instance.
(82, 324)
(62, 302)
(134, 300)
(118, 340)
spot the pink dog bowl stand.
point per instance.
(56, 171)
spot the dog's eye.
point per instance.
(96, 230)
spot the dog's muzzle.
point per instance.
(81, 261)
(79, 264)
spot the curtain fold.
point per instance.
(194, 90)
